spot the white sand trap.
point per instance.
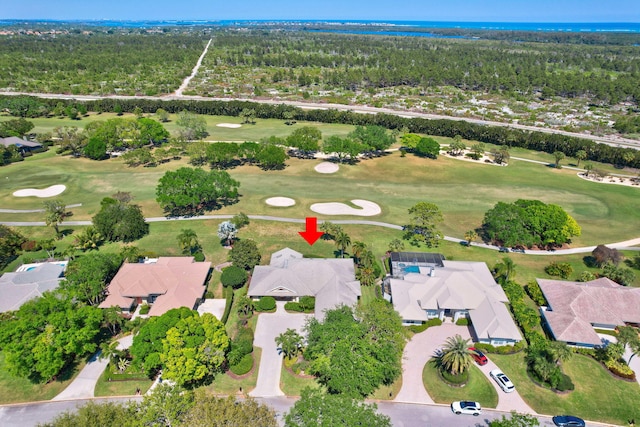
(229, 125)
(327, 167)
(280, 201)
(54, 190)
(335, 208)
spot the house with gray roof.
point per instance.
(290, 276)
(454, 290)
(28, 283)
(22, 144)
(574, 309)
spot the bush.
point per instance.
(302, 366)
(562, 269)
(30, 246)
(228, 294)
(503, 349)
(233, 277)
(534, 291)
(463, 321)
(198, 257)
(293, 306)
(308, 303)
(144, 309)
(564, 383)
(426, 325)
(620, 369)
(266, 304)
(243, 366)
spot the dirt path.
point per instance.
(186, 81)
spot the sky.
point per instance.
(386, 10)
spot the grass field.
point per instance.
(104, 387)
(477, 389)
(597, 396)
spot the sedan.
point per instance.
(478, 356)
(465, 407)
(568, 421)
(503, 381)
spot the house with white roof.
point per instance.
(28, 282)
(575, 309)
(290, 276)
(454, 289)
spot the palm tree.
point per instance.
(560, 351)
(470, 236)
(188, 241)
(396, 245)
(358, 248)
(456, 356)
(505, 270)
(55, 212)
(580, 155)
(343, 241)
(245, 305)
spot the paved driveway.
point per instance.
(269, 326)
(422, 347)
(85, 383)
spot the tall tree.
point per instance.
(470, 236)
(188, 241)
(245, 254)
(558, 156)
(213, 411)
(191, 126)
(88, 275)
(55, 212)
(505, 270)
(343, 241)
(422, 228)
(580, 155)
(317, 409)
(290, 343)
(227, 232)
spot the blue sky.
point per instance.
(417, 10)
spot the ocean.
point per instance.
(390, 27)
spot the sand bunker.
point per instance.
(280, 201)
(327, 167)
(334, 208)
(54, 190)
(229, 125)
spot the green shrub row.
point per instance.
(463, 321)
(265, 304)
(243, 366)
(306, 305)
(535, 293)
(503, 349)
(426, 325)
(620, 369)
(228, 294)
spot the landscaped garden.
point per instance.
(476, 388)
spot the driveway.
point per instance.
(422, 347)
(84, 384)
(269, 326)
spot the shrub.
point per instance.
(463, 321)
(198, 257)
(209, 295)
(233, 276)
(144, 309)
(302, 366)
(308, 303)
(534, 291)
(503, 349)
(426, 325)
(562, 269)
(30, 246)
(228, 294)
(293, 306)
(243, 366)
(266, 304)
(564, 383)
(621, 275)
(586, 276)
(620, 369)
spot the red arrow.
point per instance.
(311, 234)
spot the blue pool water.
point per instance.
(411, 269)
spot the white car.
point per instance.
(503, 381)
(465, 407)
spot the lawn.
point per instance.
(292, 384)
(226, 384)
(122, 387)
(477, 389)
(598, 395)
(15, 390)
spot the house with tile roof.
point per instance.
(454, 290)
(29, 282)
(164, 283)
(290, 276)
(574, 309)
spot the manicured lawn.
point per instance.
(225, 384)
(368, 294)
(477, 389)
(388, 392)
(15, 390)
(292, 385)
(104, 387)
(598, 396)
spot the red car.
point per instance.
(478, 356)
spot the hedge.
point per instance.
(244, 366)
(228, 294)
(463, 321)
(426, 325)
(620, 369)
(144, 309)
(503, 349)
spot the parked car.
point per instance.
(503, 381)
(478, 356)
(466, 407)
(568, 421)
(503, 249)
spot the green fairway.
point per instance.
(598, 395)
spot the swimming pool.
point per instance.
(411, 269)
